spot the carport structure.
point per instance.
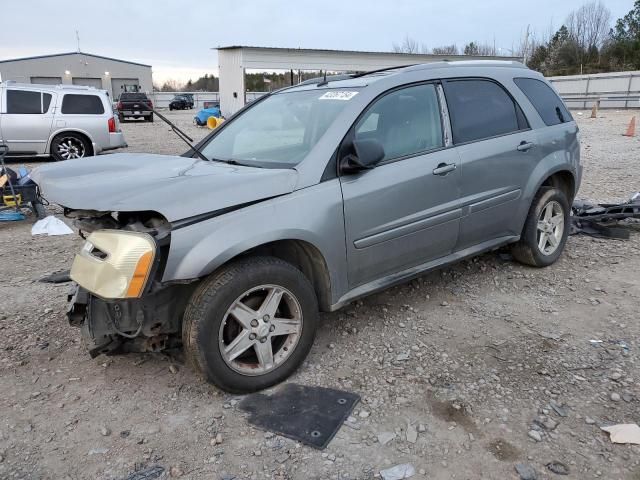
(233, 61)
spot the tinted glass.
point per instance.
(46, 101)
(405, 121)
(280, 130)
(545, 101)
(481, 109)
(23, 101)
(82, 104)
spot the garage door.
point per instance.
(46, 80)
(119, 85)
(88, 82)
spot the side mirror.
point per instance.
(367, 154)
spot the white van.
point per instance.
(61, 121)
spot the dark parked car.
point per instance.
(179, 103)
(136, 105)
(189, 98)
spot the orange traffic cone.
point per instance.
(594, 111)
(631, 129)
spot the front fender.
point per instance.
(313, 215)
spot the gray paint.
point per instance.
(373, 229)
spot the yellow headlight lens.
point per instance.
(114, 263)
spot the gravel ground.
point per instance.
(464, 372)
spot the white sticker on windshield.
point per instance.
(338, 95)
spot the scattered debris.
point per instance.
(624, 433)
(558, 468)
(595, 219)
(560, 410)
(385, 437)
(50, 226)
(412, 433)
(150, 473)
(56, 277)
(311, 415)
(535, 435)
(399, 472)
(526, 471)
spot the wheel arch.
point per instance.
(303, 255)
(560, 176)
(79, 131)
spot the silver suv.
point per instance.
(309, 198)
(61, 121)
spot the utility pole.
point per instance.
(78, 40)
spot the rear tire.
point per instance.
(545, 230)
(69, 146)
(150, 118)
(211, 332)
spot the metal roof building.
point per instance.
(234, 60)
(79, 68)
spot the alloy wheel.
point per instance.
(70, 147)
(550, 228)
(260, 330)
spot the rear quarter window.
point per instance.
(545, 100)
(481, 109)
(82, 104)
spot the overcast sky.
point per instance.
(176, 37)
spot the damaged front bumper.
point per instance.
(150, 323)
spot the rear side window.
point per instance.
(545, 101)
(46, 101)
(24, 101)
(481, 109)
(405, 122)
(82, 104)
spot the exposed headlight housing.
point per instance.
(114, 263)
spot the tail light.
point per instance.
(119, 106)
(112, 125)
(150, 103)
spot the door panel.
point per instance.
(405, 211)
(494, 175)
(497, 153)
(399, 215)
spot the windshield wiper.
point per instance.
(244, 163)
(183, 136)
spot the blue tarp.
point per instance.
(203, 115)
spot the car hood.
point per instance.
(175, 187)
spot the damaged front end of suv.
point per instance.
(120, 302)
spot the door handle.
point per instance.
(444, 168)
(524, 146)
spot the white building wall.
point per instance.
(79, 66)
(232, 86)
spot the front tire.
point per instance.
(546, 229)
(69, 146)
(251, 324)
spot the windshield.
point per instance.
(279, 131)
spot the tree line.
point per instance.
(585, 43)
